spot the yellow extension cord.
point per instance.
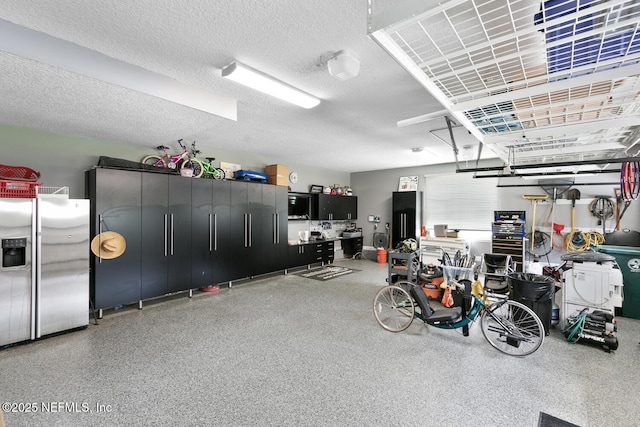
(592, 238)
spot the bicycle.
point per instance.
(208, 170)
(509, 326)
(171, 161)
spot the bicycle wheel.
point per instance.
(217, 173)
(194, 164)
(393, 308)
(154, 160)
(512, 328)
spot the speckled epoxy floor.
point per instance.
(288, 351)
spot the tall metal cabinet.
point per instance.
(274, 221)
(182, 233)
(258, 239)
(116, 206)
(406, 216)
(210, 216)
(166, 234)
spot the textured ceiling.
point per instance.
(353, 129)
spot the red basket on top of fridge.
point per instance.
(18, 173)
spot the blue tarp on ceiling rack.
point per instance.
(502, 120)
(588, 50)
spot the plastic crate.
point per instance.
(19, 173)
(18, 189)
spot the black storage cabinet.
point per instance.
(407, 216)
(534, 291)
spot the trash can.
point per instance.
(534, 291)
(628, 259)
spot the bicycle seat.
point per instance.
(162, 147)
(210, 159)
(445, 315)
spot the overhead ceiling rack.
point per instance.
(535, 82)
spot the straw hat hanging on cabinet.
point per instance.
(108, 245)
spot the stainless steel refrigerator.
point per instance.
(44, 273)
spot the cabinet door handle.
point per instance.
(250, 230)
(245, 230)
(215, 231)
(100, 232)
(210, 233)
(166, 234)
(172, 235)
(275, 228)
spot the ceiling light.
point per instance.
(554, 176)
(41, 47)
(344, 65)
(254, 79)
(417, 149)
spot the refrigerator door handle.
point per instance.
(210, 233)
(250, 230)
(36, 272)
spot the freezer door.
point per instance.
(17, 301)
(63, 265)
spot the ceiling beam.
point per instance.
(38, 46)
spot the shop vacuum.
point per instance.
(597, 328)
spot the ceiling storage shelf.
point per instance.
(534, 81)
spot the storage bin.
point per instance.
(628, 259)
(18, 189)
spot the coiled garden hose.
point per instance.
(574, 331)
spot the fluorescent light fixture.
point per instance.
(554, 176)
(254, 79)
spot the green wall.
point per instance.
(63, 159)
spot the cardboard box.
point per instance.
(279, 180)
(279, 170)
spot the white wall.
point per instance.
(374, 190)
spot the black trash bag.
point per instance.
(532, 287)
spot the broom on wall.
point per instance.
(536, 198)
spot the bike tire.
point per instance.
(217, 173)
(518, 330)
(393, 308)
(194, 164)
(154, 160)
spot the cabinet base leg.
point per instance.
(230, 284)
(286, 271)
(99, 313)
(190, 293)
(140, 305)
